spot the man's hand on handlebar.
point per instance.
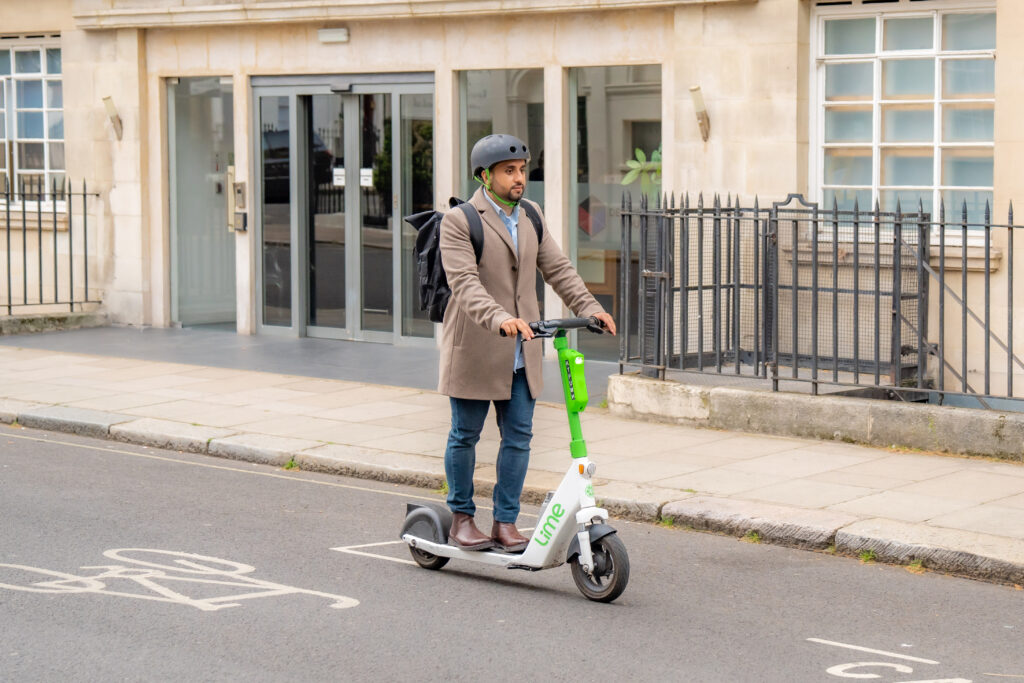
(517, 325)
(609, 323)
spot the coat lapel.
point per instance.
(492, 221)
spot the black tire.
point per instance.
(611, 570)
(427, 560)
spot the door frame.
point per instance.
(348, 86)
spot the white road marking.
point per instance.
(236, 469)
(184, 568)
(843, 670)
(876, 652)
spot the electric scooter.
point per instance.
(571, 527)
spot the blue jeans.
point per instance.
(515, 422)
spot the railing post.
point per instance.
(923, 243)
(771, 253)
(895, 370)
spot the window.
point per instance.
(905, 102)
(615, 136)
(31, 118)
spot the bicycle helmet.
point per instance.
(493, 149)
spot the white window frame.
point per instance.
(10, 135)
(903, 9)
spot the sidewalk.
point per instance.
(952, 514)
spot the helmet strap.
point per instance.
(487, 185)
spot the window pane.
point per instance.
(909, 200)
(847, 166)
(30, 124)
(908, 34)
(509, 101)
(30, 94)
(907, 167)
(27, 62)
(30, 155)
(969, 31)
(848, 124)
(967, 167)
(53, 65)
(908, 123)
(968, 78)
(54, 95)
(3, 126)
(955, 200)
(967, 123)
(598, 157)
(908, 78)
(57, 155)
(5, 62)
(844, 199)
(849, 36)
(56, 127)
(848, 81)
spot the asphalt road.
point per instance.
(99, 580)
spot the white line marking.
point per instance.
(373, 555)
(868, 649)
(233, 469)
(367, 545)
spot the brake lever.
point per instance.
(595, 328)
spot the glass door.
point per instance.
(328, 271)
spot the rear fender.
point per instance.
(437, 518)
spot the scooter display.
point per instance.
(571, 528)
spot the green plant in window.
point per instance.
(647, 171)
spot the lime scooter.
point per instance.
(571, 527)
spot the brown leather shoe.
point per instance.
(508, 538)
(465, 535)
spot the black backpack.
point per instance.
(433, 283)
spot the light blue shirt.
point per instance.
(512, 223)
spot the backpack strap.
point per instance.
(476, 228)
(534, 216)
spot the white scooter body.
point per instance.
(568, 515)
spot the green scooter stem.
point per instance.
(575, 396)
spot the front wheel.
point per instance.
(611, 570)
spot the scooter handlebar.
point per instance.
(547, 328)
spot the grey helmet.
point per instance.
(493, 149)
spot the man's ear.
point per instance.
(486, 173)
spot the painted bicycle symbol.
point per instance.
(157, 571)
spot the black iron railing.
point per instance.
(44, 246)
(849, 299)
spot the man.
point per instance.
(477, 365)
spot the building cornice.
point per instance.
(111, 14)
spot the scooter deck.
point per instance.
(497, 558)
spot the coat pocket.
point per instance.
(460, 328)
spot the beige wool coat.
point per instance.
(476, 362)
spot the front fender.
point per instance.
(597, 532)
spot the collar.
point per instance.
(501, 214)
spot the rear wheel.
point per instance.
(427, 560)
(422, 527)
(611, 570)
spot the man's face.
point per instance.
(508, 179)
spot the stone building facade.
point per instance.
(249, 127)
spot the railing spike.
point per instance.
(899, 210)
(755, 206)
(1009, 215)
(700, 201)
(988, 214)
(965, 211)
(856, 206)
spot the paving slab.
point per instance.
(75, 420)
(177, 436)
(791, 526)
(970, 553)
